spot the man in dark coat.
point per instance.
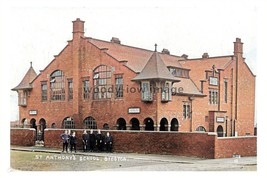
(99, 141)
(73, 142)
(92, 141)
(108, 142)
(85, 140)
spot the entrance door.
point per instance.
(149, 124)
(220, 131)
(42, 128)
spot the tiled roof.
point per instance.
(136, 57)
(188, 87)
(27, 79)
(155, 69)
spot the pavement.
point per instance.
(159, 162)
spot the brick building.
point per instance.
(93, 83)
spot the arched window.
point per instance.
(89, 123)
(106, 126)
(24, 123)
(163, 124)
(57, 85)
(135, 124)
(121, 124)
(149, 124)
(174, 125)
(53, 125)
(68, 123)
(102, 82)
(201, 129)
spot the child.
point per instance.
(73, 142)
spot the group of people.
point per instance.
(91, 141)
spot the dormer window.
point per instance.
(146, 91)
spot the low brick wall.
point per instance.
(22, 136)
(174, 143)
(203, 145)
(226, 147)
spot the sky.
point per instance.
(35, 31)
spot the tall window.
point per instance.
(68, 123)
(44, 91)
(166, 94)
(119, 86)
(146, 92)
(213, 96)
(225, 91)
(57, 85)
(102, 82)
(89, 123)
(22, 97)
(86, 89)
(186, 111)
(70, 89)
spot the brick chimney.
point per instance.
(78, 28)
(238, 47)
(205, 55)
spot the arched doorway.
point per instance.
(174, 125)
(163, 124)
(149, 124)
(135, 124)
(121, 124)
(220, 131)
(33, 124)
(24, 123)
(89, 123)
(42, 123)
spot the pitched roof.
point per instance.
(136, 57)
(155, 69)
(26, 81)
(188, 86)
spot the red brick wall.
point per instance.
(22, 137)
(244, 146)
(181, 144)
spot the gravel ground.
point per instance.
(44, 161)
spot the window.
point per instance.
(119, 86)
(70, 89)
(213, 96)
(225, 91)
(179, 72)
(201, 129)
(214, 81)
(86, 89)
(57, 86)
(89, 123)
(44, 91)
(146, 93)
(22, 97)
(102, 82)
(166, 92)
(68, 123)
(186, 110)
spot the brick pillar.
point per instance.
(169, 127)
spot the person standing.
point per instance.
(65, 138)
(85, 140)
(99, 141)
(108, 142)
(92, 141)
(73, 142)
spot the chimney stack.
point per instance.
(205, 55)
(115, 40)
(238, 47)
(78, 28)
(165, 51)
(185, 56)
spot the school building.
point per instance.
(100, 84)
